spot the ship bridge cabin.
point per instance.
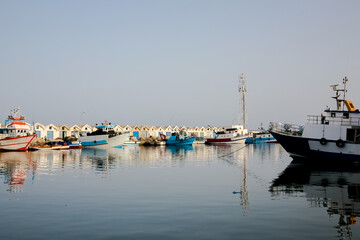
(338, 117)
(335, 124)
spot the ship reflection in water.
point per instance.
(14, 166)
(330, 185)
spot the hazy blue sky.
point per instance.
(175, 62)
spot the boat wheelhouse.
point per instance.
(333, 135)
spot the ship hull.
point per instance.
(104, 141)
(172, 141)
(239, 140)
(308, 148)
(260, 140)
(21, 143)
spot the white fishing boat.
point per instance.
(235, 134)
(16, 136)
(104, 137)
(334, 135)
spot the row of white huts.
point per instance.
(52, 131)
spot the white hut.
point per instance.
(168, 130)
(40, 130)
(52, 131)
(153, 131)
(136, 131)
(118, 129)
(63, 131)
(75, 131)
(86, 128)
(144, 130)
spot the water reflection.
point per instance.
(14, 167)
(333, 186)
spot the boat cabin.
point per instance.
(342, 123)
(104, 128)
(15, 125)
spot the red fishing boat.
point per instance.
(15, 136)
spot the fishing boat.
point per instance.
(260, 137)
(68, 144)
(180, 139)
(53, 147)
(235, 134)
(15, 136)
(104, 137)
(334, 135)
(74, 144)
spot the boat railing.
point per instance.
(290, 129)
(339, 121)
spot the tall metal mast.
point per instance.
(242, 105)
(344, 82)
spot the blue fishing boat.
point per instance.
(261, 137)
(180, 140)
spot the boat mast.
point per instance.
(344, 82)
(242, 105)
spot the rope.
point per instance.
(232, 152)
(258, 179)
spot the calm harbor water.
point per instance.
(199, 192)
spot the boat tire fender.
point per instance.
(340, 143)
(323, 141)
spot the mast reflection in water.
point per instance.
(329, 185)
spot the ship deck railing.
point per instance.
(338, 121)
(286, 128)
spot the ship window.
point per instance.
(357, 136)
(353, 191)
(333, 114)
(350, 135)
(346, 115)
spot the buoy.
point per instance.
(340, 143)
